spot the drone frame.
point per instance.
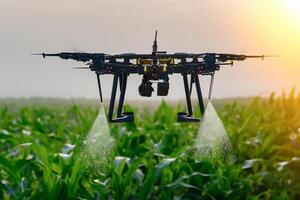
(155, 70)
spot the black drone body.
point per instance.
(155, 68)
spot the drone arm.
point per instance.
(50, 54)
(237, 57)
(83, 57)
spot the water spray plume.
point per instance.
(98, 145)
(212, 142)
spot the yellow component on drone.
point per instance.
(165, 68)
(164, 61)
(167, 61)
(145, 61)
(172, 61)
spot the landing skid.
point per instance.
(121, 78)
(188, 117)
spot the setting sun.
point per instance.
(293, 8)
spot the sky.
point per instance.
(117, 26)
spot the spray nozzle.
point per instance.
(211, 86)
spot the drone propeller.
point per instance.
(39, 54)
(262, 57)
(223, 57)
(81, 68)
(44, 54)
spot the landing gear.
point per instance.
(188, 117)
(121, 116)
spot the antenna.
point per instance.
(154, 47)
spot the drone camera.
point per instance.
(162, 88)
(146, 89)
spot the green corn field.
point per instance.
(152, 158)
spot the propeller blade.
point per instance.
(262, 56)
(81, 68)
(46, 54)
(39, 54)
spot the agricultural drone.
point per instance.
(155, 68)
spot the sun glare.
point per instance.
(293, 8)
